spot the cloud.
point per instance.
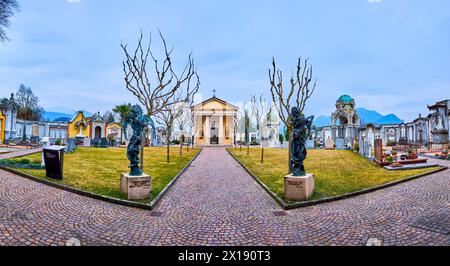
(370, 1)
(73, 1)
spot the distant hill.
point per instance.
(61, 116)
(52, 116)
(366, 115)
(389, 119)
(322, 121)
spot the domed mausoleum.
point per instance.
(345, 120)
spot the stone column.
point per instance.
(207, 131)
(221, 135)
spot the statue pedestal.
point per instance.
(136, 187)
(298, 187)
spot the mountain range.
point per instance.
(366, 115)
(61, 114)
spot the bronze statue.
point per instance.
(301, 132)
(138, 122)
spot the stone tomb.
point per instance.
(297, 188)
(329, 144)
(136, 187)
(340, 144)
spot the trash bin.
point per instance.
(54, 158)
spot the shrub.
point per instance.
(390, 159)
(58, 142)
(356, 147)
(280, 138)
(24, 161)
(390, 143)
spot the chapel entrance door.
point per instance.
(98, 132)
(214, 132)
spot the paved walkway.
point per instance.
(18, 153)
(217, 203)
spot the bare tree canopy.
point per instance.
(301, 89)
(156, 91)
(27, 104)
(7, 9)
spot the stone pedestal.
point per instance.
(136, 187)
(298, 188)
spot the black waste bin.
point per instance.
(54, 158)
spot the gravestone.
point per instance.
(329, 144)
(35, 130)
(310, 144)
(361, 147)
(45, 144)
(86, 142)
(340, 144)
(103, 143)
(379, 150)
(367, 149)
(70, 145)
(54, 161)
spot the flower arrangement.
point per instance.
(396, 165)
(389, 159)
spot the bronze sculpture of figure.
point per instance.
(138, 122)
(301, 132)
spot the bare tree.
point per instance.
(171, 112)
(260, 112)
(7, 9)
(155, 92)
(300, 90)
(185, 121)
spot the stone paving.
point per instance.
(215, 202)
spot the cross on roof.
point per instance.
(214, 91)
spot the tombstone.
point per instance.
(45, 144)
(103, 143)
(340, 144)
(35, 130)
(54, 161)
(329, 144)
(86, 142)
(70, 145)
(379, 150)
(361, 147)
(310, 144)
(367, 149)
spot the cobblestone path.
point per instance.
(215, 202)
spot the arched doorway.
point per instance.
(98, 132)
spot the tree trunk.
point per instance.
(121, 132)
(248, 148)
(142, 151)
(168, 149)
(262, 154)
(289, 159)
(181, 149)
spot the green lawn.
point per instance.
(98, 170)
(336, 172)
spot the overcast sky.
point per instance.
(392, 56)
